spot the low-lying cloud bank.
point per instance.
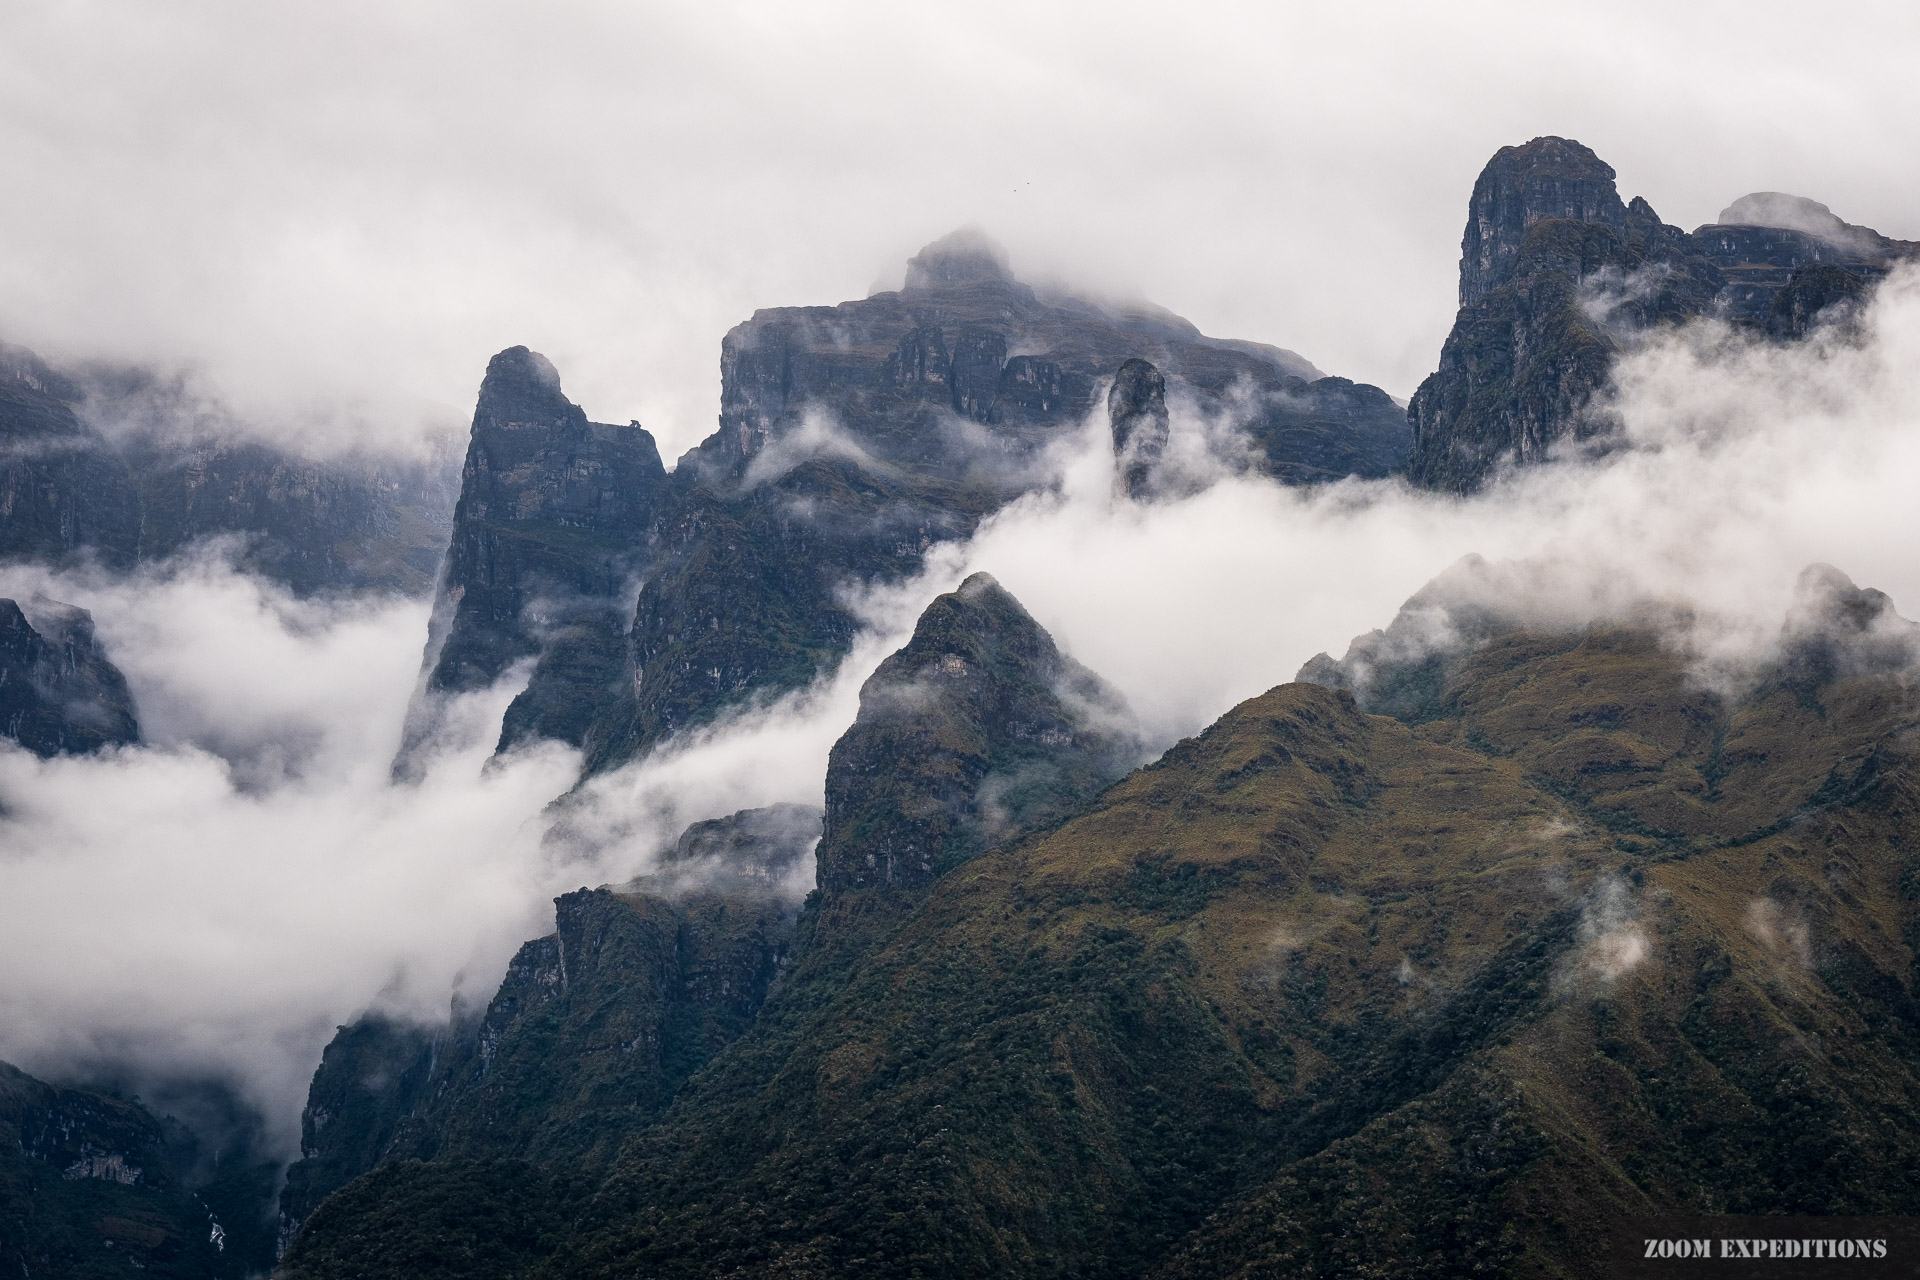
(213, 903)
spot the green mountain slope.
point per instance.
(1575, 938)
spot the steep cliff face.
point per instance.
(350, 524)
(150, 490)
(1557, 276)
(592, 1032)
(1521, 186)
(976, 732)
(549, 532)
(1137, 417)
(1553, 267)
(61, 493)
(853, 437)
(94, 1186)
(58, 692)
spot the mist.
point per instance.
(332, 215)
(212, 903)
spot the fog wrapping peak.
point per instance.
(252, 878)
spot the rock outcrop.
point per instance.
(854, 437)
(97, 1185)
(1548, 178)
(58, 692)
(1557, 276)
(593, 1030)
(976, 732)
(549, 534)
(1137, 417)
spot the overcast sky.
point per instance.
(338, 212)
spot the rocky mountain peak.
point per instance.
(1545, 178)
(1835, 628)
(1779, 211)
(521, 387)
(977, 731)
(962, 257)
(547, 536)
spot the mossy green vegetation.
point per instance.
(1322, 991)
(94, 1186)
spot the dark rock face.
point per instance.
(58, 692)
(61, 493)
(1551, 264)
(96, 1185)
(755, 853)
(353, 524)
(1137, 416)
(67, 491)
(959, 258)
(592, 1032)
(852, 438)
(977, 731)
(549, 532)
(1814, 296)
(1557, 277)
(1521, 186)
(373, 1075)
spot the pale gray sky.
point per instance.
(338, 212)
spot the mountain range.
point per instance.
(1441, 958)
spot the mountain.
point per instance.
(1558, 276)
(594, 1029)
(978, 731)
(94, 1185)
(1550, 946)
(58, 691)
(158, 484)
(549, 535)
(851, 439)
(60, 491)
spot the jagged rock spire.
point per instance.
(1137, 414)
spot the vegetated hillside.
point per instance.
(978, 729)
(1574, 937)
(93, 1185)
(594, 1029)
